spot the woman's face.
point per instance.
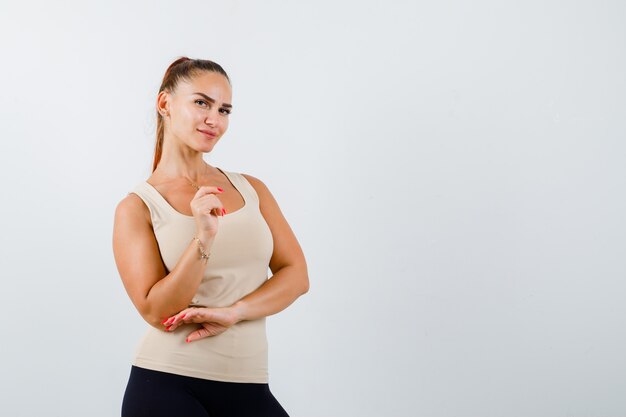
(198, 110)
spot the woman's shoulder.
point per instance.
(132, 208)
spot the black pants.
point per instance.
(161, 394)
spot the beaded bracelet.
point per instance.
(203, 254)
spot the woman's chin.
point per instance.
(206, 146)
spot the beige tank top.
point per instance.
(238, 265)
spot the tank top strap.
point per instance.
(154, 201)
(244, 187)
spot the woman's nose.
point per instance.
(210, 118)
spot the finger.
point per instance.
(168, 321)
(178, 316)
(196, 314)
(216, 211)
(214, 328)
(192, 315)
(176, 323)
(212, 206)
(208, 329)
(207, 189)
(201, 333)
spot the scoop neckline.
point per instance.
(171, 208)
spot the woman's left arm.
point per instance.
(289, 278)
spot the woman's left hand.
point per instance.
(214, 320)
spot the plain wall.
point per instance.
(453, 170)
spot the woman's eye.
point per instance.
(200, 101)
(226, 111)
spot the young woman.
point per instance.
(192, 245)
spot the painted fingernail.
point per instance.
(187, 340)
(163, 322)
(183, 316)
(223, 211)
(168, 327)
(219, 189)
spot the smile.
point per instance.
(208, 134)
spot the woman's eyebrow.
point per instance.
(213, 100)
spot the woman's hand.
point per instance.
(205, 207)
(214, 320)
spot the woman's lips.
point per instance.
(208, 134)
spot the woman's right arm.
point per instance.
(156, 294)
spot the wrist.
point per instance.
(206, 239)
(204, 254)
(239, 311)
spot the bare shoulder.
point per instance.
(132, 207)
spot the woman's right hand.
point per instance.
(205, 207)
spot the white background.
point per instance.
(454, 172)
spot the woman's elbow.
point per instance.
(304, 287)
(152, 318)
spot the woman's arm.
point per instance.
(274, 295)
(289, 278)
(155, 293)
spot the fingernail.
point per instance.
(168, 327)
(163, 322)
(219, 189)
(183, 316)
(223, 211)
(187, 340)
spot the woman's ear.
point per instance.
(163, 103)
